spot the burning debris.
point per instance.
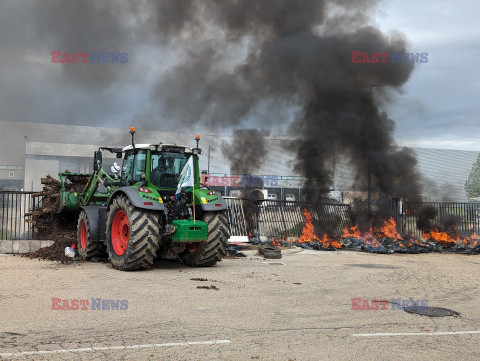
(441, 229)
(309, 236)
(382, 238)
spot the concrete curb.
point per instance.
(22, 246)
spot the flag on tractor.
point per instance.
(186, 177)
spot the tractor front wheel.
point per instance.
(133, 236)
(85, 246)
(208, 253)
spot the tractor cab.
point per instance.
(157, 165)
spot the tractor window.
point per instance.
(133, 166)
(166, 168)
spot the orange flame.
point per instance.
(389, 230)
(450, 240)
(308, 234)
(374, 234)
(352, 232)
(277, 243)
(371, 235)
(472, 240)
(441, 237)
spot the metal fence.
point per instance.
(464, 216)
(273, 219)
(13, 206)
(277, 219)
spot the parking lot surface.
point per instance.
(295, 308)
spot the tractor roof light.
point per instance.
(197, 139)
(132, 132)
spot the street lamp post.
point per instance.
(369, 179)
(208, 162)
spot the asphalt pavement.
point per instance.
(309, 305)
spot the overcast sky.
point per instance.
(438, 108)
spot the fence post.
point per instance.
(283, 221)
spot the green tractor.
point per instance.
(156, 207)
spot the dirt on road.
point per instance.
(296, 308)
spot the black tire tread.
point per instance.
(144, 239)
(267, 248)
(272, 254)
(215, 247)
(93, 248)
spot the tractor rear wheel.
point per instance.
(208, 253)
(133, 236)
(85, 246)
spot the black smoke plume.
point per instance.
(428, 220)
(246, 151)
(299, 55)
(241, 63)
(425, 217)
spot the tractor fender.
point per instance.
(136, 200)
(217, 206)
(97, 220)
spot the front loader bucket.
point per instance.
(72, 184)
(69, 202)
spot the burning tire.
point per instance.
(86, 247)
(132, 236)
(208, 253)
